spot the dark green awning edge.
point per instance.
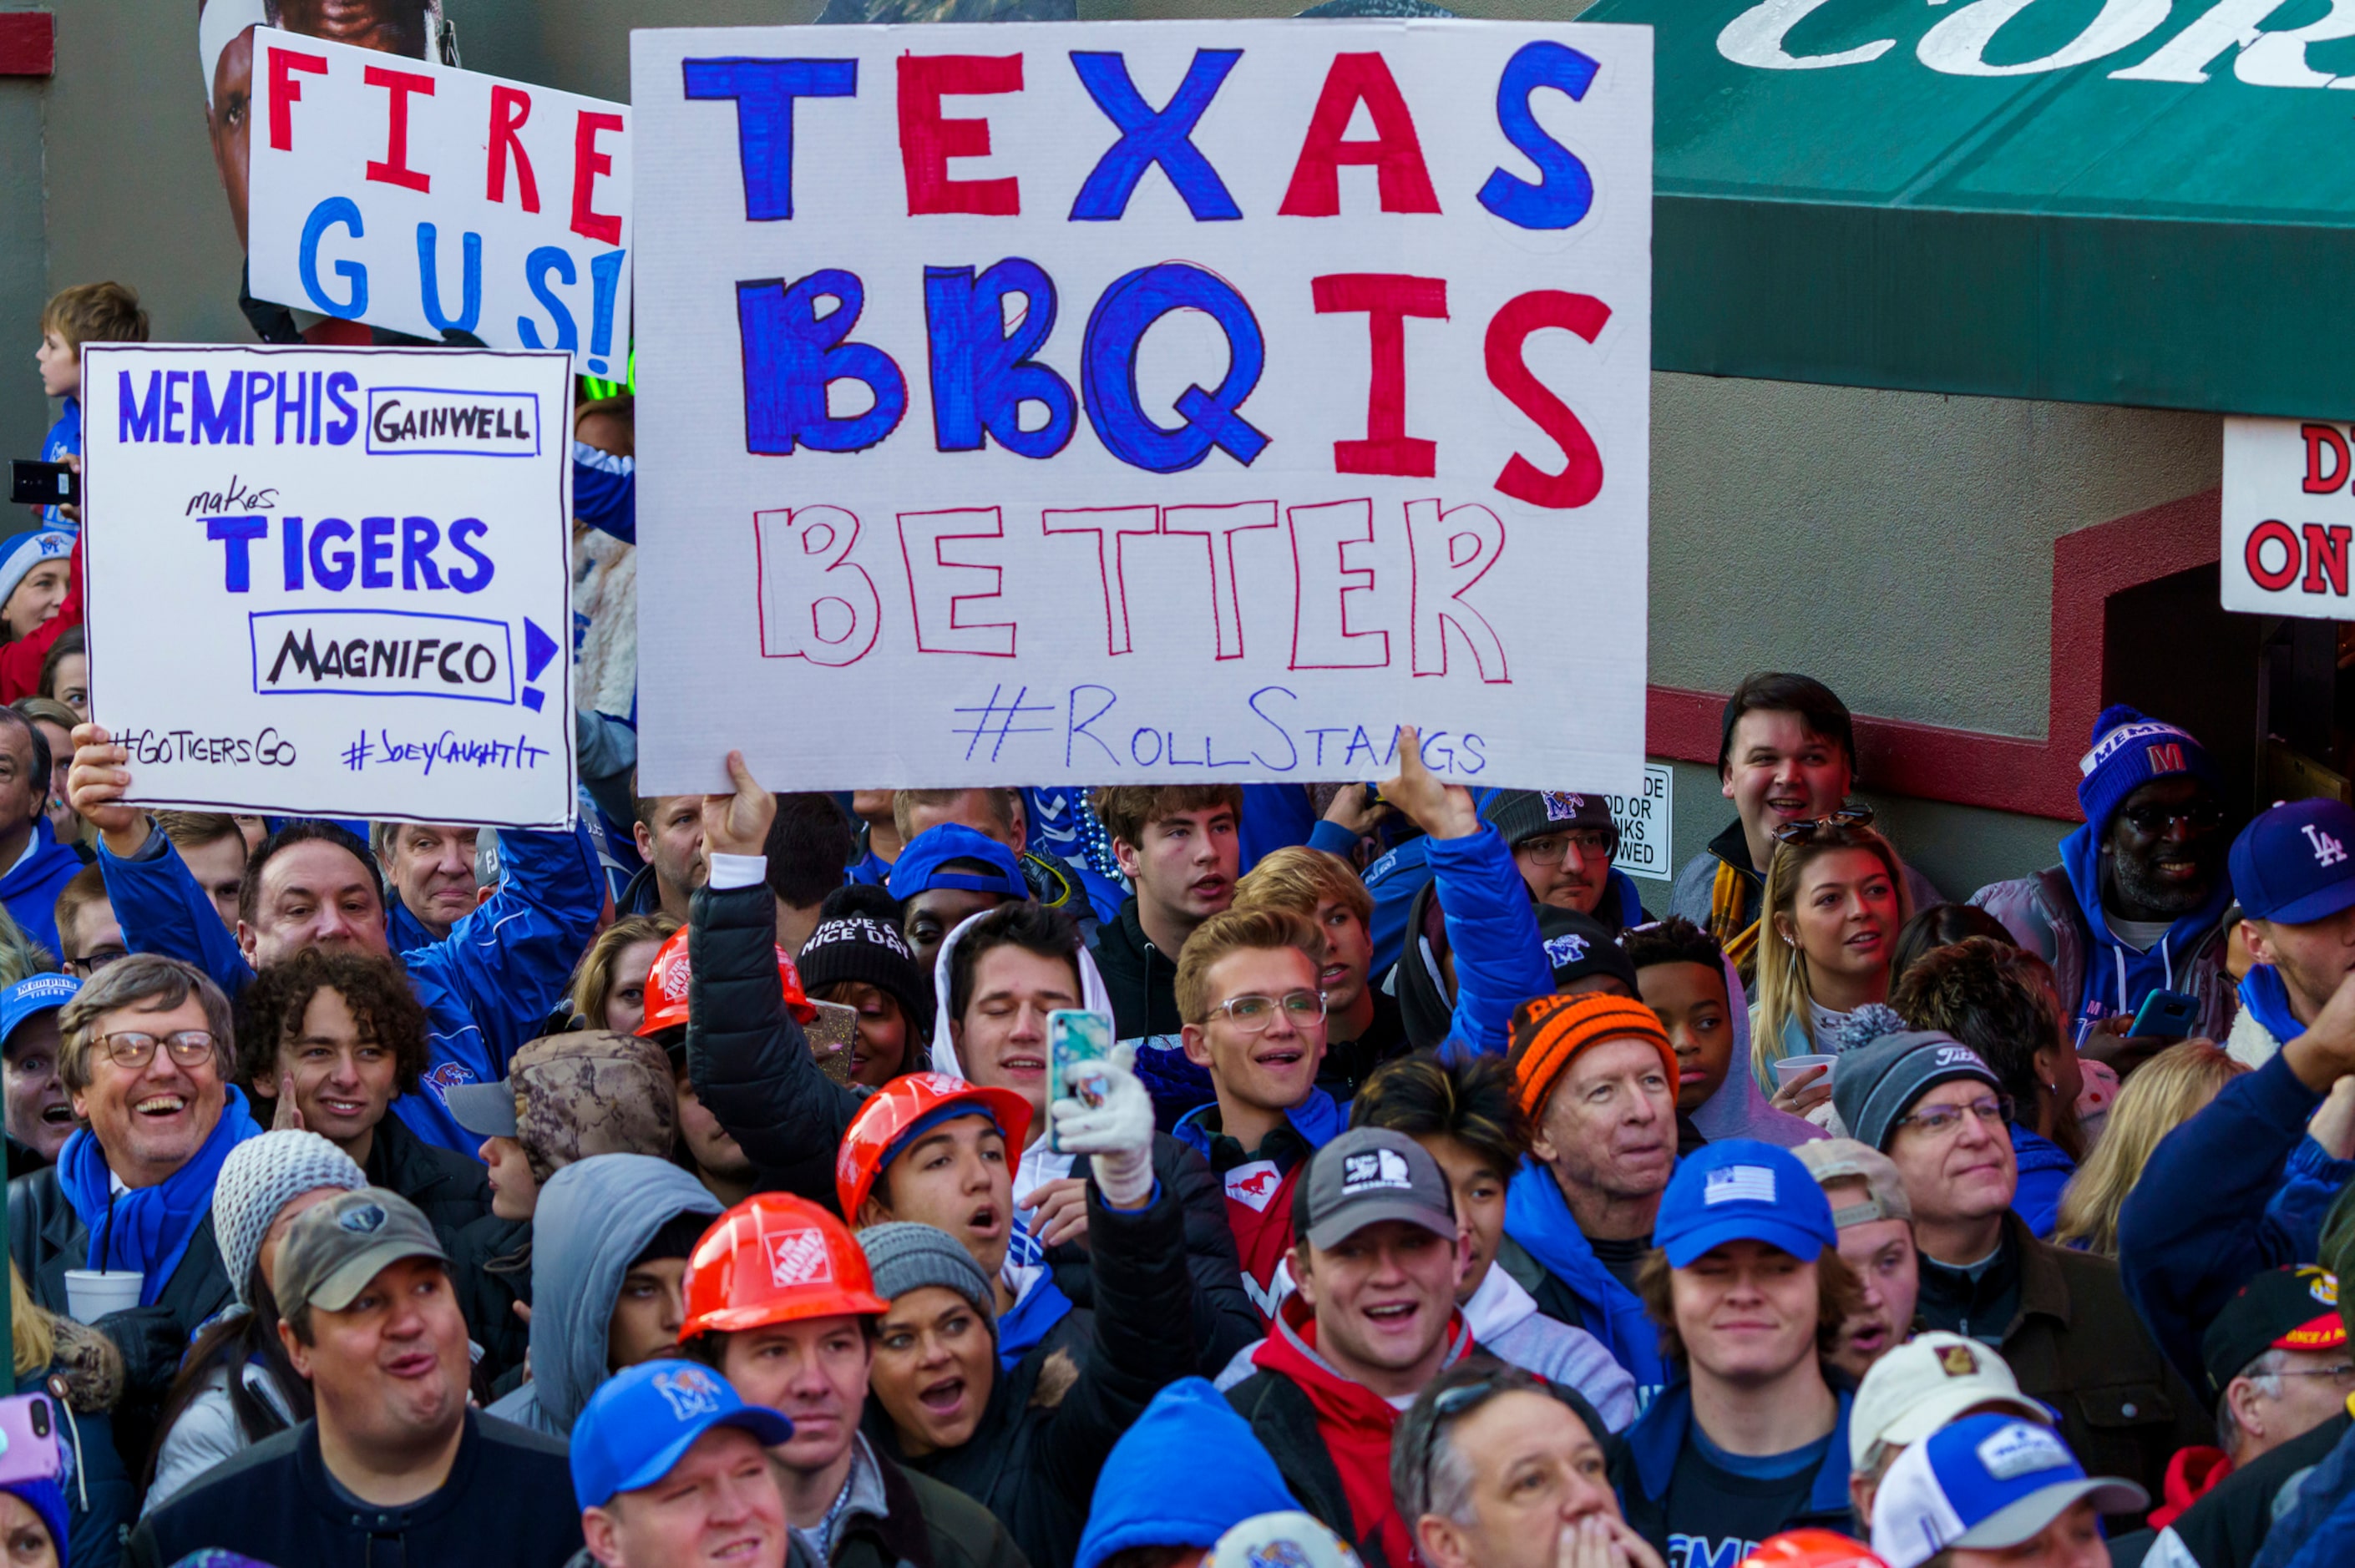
(2240, 318)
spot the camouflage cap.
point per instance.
(591, 1092)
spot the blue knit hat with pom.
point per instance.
(2130, 750)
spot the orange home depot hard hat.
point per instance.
(902, 1107)
(775, 1258)
(667, 987)
(1811, 1549)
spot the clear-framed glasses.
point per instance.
(1937, 1121)
(1251, 1014)
(134, 1048)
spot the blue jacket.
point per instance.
(1660, 1434)
(2045, 1169)
(1398, 876)
(31, 887)
(2318, 1529)
(1317, 1119)
(486, 989)
(1275, 816)
(1492, 928)
(2238, 1189)
(605, 492)
(64, 440)
(1538, 1217)
(2118, 978)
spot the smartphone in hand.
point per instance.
(1075, 1037)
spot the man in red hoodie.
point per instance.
(1377, 1261)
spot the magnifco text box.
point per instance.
(382, 653)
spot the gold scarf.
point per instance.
(1727, 894)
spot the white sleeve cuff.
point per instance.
(730, 871)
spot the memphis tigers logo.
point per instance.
(445, 1077)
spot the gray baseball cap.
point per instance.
(1830, 1160)
(334, 1249)
(1370, 1174)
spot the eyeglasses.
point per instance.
(89, 964)
(1800, 833)
(1252, 1014)
(1554, 848)
(1937, 1121)
(133, 1049)
(2150, 820)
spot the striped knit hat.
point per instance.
(1549, 1030)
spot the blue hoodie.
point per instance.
(2118, 978)
(2045, 1169)
(1189, 1471)
(1538, 1217)
(31, 887)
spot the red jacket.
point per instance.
(21, 661)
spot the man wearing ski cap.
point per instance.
(1917, 1388)
(1375, 1262)
(40, 1112)
(1994, 1489)
(2294, 874)
(2059, 1316)
(1749, 1290)
(670, 1467)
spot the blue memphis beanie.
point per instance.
(2130, 750)
(1189, 1430)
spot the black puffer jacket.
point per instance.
(752, 1070)
(451, 1189)
(1041, 1441)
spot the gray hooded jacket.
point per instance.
(595, 1217)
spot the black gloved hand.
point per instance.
(152, 1342)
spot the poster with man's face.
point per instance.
(225, 56)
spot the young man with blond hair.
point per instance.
(1254, 1023)
(1179, 846)
(1362, 1025)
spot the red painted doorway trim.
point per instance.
(2005, 772)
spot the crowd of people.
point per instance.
(724, 1181)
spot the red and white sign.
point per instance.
(799, 1257)
(1117, 402)
(2290, 517)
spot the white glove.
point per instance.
(1109, 1116)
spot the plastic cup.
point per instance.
(91, 1293)
(1790, 1068)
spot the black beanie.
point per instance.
(858, 938)
(1577, 945)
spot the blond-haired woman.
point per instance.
(1834, 901)
(2168, 1091)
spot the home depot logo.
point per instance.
(799, 1257)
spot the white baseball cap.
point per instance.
(1926, 1383)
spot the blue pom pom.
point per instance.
(2112, 717)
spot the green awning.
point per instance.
(2055, 232)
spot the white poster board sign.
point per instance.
(333, 582)
(2290, 517)
(1645, 822)
(1098, 403)
(419, 198)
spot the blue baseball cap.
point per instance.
(1742, 1190)
(1984, 1483)
(920, 862)
(2292, 864)
(640, 1423)
(33, 994)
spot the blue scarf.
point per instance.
(2262, 993)
(1027, 1322)
(1537, 1216)
(150, 1227)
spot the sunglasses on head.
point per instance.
(1800, 833)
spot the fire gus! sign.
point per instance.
(2289, 516)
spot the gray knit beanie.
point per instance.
(259, 1176)
(905, 1256)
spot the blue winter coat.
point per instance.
(1661, 1433)
(2236, 1190)
(1492, 930)
(1398, 876)
(486, 989)
(1538, 1217)
(30, 888)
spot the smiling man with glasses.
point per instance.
(2061, 1318)
(1255, 1020)
(145, 1047)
